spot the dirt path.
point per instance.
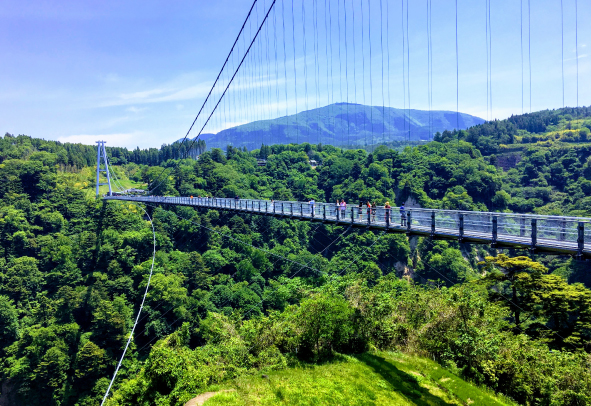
(200, 400)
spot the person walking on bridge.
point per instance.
(402, 215)
(387, 214)
(312, 203)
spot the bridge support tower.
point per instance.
(103, 154)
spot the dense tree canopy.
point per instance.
(235, 292)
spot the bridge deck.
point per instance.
(554, 234)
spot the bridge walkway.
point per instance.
(539, 233)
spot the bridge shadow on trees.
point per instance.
(402, 382)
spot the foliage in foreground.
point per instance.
(457, 326)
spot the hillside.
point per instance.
(367, 379)
(344, 124)
(569, 125)
(235, 295)
(545, 157)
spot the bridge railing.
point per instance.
(519, 229)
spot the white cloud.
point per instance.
(160, 95)
(134, 109)
(113, 140)
(142, 95)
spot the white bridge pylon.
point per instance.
(101, 147)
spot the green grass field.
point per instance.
(367, 379)
(83, 180)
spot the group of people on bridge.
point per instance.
(371, 210)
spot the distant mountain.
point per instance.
(343, 124)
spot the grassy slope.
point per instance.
(122, 180)
(82, 180)
(367, 379)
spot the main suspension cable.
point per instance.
(562, 47)
(403, 70)
(457, 78)
(487, 65)
(370, 73)
(529, 47)
(490, 59)
(521, 42)
(355, 107)
(305, 69)
(295, 80)
(382, 53)
(216, 80)
(388, 51)
(577, 45)
(347, 77)
(408, 69)
(363, 65)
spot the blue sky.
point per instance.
(136, 73)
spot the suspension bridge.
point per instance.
(290, 58)
(551, 234)
(288, 54)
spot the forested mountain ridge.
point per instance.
(343, 124)
(235, 294)
(74, 157)
(548, 157)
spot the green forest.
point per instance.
(237, 295)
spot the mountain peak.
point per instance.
(344, 124)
